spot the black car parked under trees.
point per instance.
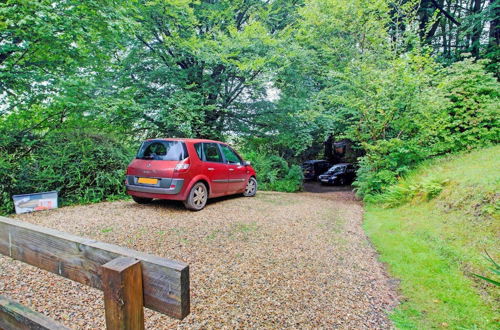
(339, 174)
(313, 168)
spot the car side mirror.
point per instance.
(246, 163)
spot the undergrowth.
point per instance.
(432, 228)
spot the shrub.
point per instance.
(472, 116)
(384, 163)
(457, 114)
(274, 172)
(83, 166)
(10, 166)
(405, 192)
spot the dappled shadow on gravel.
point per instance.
(274, 261)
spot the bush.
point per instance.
(10, 166)
(405, 192)
(457, 114)
(274, 173)
(472, 116)
(83, 166)
(384, 163)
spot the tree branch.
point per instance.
(445, 13)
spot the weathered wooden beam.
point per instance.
(14, 316)
(165, 282)
(122, 286)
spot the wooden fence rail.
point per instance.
(16, 316)
(161, 284)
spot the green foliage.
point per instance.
(495, 270)
(46, 42)
(431, 229)
(420, 119)
(472, 112)
(384, 163)
(10, 166)
(405, 192)
(193, 68)
(83, 166)
(274, 173)
(280, 75)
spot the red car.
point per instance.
(189, 170)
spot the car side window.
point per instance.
(199, 150)
(212, 153)
(230, 156)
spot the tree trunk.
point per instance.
(329, 148)
(494, 26)
(476, 30)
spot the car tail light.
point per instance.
(183, 166)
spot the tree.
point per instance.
(199, 68)
(455, 28)
(44, 40)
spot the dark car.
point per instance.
(313, 168)
(339, 174)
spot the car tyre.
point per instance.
(342, 181)
(251, 188)
(142, 200)
(197, 198)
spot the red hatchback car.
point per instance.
(190, 170)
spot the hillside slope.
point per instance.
(432, 230)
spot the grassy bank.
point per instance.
(432, 230)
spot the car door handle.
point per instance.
(210, 168)
(231, 169)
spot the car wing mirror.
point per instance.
(246, 163)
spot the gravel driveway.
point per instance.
(273, 261)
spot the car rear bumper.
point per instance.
(173, 188)
(328, 180)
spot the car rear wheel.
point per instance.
(251, 188)
(142, 200)
(197, 198)
(342, 181)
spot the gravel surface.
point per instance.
(276, 260)
(316, 187)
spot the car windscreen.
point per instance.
(162, 150)
(336, 170)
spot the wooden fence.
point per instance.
(129, 279)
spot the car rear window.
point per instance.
(162, 150)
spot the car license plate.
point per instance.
(324, 180)
(147, 180)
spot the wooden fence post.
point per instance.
(123, 297)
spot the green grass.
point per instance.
(433, 242)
